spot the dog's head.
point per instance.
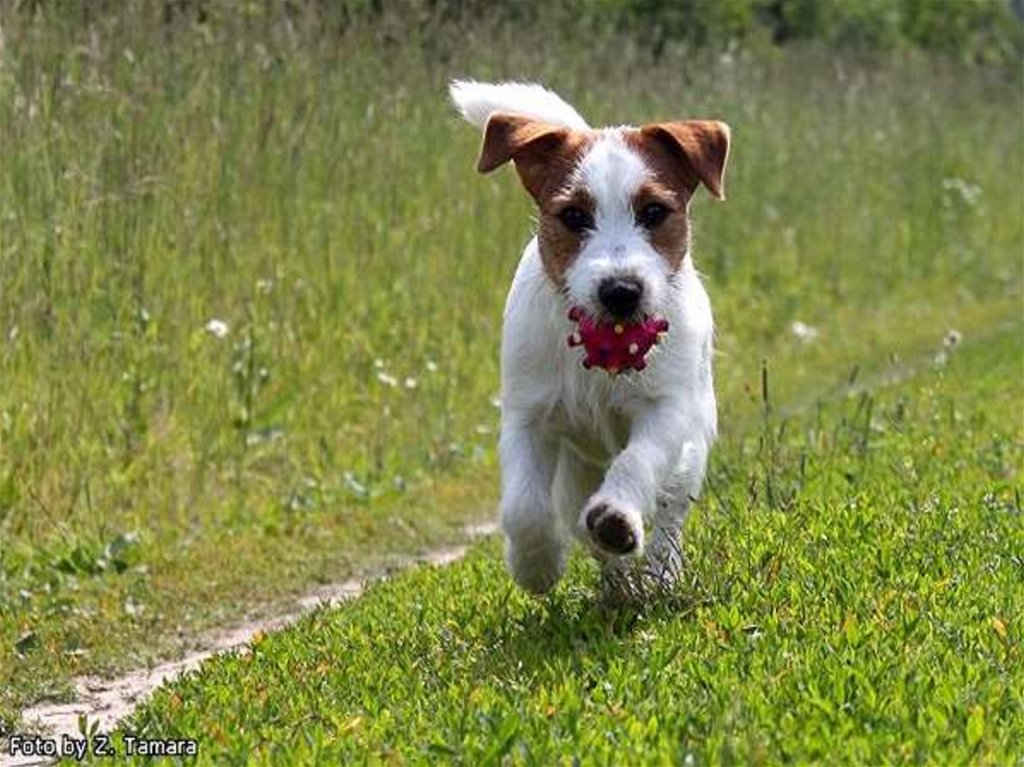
(612, 203)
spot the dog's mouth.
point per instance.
(614, 345)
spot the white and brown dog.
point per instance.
(584, 452)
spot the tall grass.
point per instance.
(165, 179)
(319, 200)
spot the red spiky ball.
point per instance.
(615, 346)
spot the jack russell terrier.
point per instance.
(607, 403)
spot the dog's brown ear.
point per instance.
(539, 150)
(507, 135)
(701, 145)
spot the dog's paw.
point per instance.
(613, 529)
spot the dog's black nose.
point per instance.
(620, 295)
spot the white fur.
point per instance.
(571, 438)
(477, 101)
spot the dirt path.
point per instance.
(107, 701)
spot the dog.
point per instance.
(607, 402)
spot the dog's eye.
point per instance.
(575, 219)
(652, 215)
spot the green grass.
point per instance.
(317, 195)
(872, 614)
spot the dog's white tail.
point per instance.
(477, 101)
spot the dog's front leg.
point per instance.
(535, 549)
(665, 556)
(614, 515)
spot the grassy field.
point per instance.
(854, 595)
(252, 290)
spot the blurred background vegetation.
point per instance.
(984, 31)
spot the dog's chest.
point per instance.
(593, 414)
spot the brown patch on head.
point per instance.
(544, 156)
(560, 245)
(681, 156)
(671, 235)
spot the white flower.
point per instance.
(410, 383)
(969, 193)
(950, 341)
(387, 380)
(217, 328)
(431, 366)
(803, 331)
